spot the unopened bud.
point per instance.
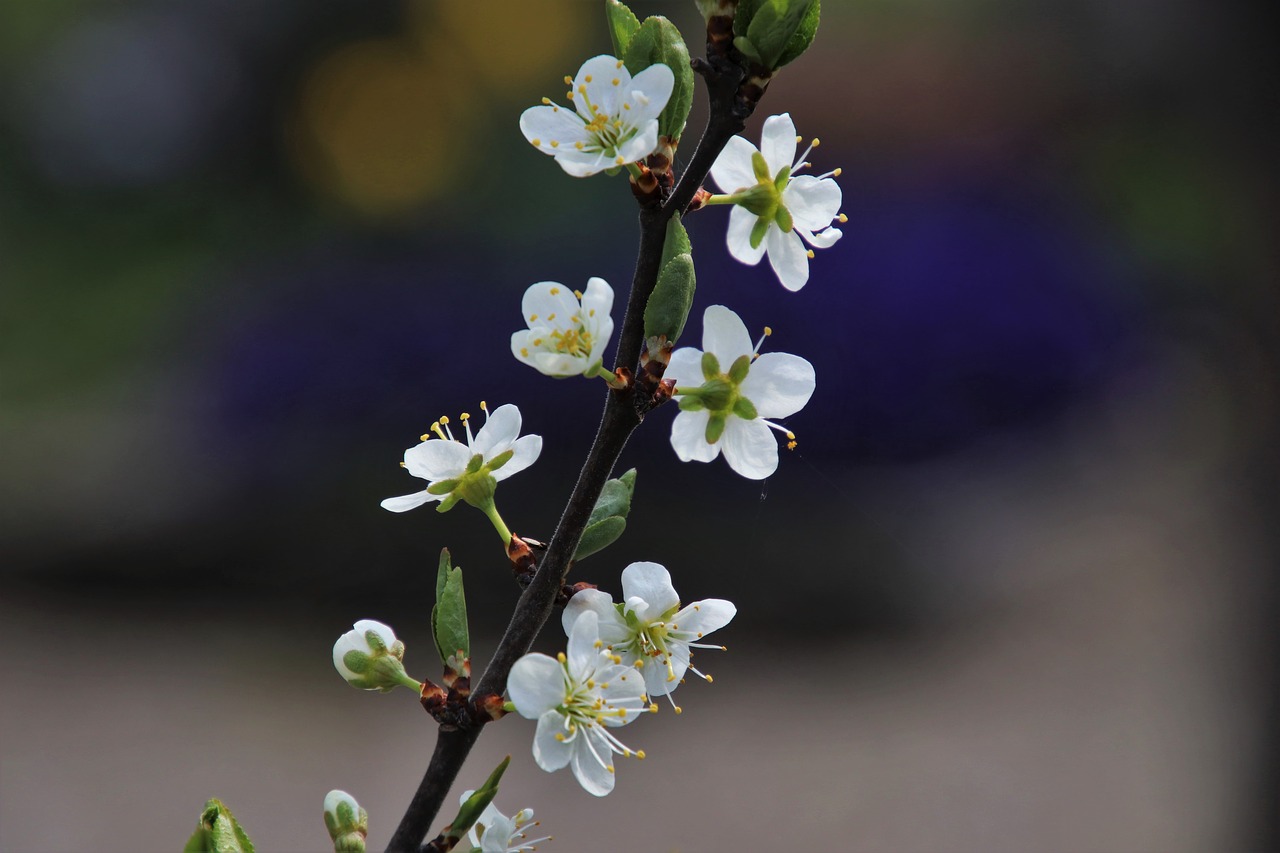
(348, 824)
(369, 657)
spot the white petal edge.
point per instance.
(779, 384)
(650, 582)
(813, 202)
(536, 685)
(725, 335)
(750, 448)
(732, 170)
(527, 448)
(685, 368)
(738, 237)
(778, 142)
(551, 754)
(788, 257)
(404, 503)
(498, 433)
(689, 437)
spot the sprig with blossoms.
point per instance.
(624, 114)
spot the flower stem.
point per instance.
(498, 524)
(635, 170)
(609, 376)
(720, 199)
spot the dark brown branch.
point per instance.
(729, 110)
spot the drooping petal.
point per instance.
(437, 459)
(526, 451)
(725, 335)
(547, 124)
(550, 752)
(408, 502)
(824, 239)
(738, 237)
(549, 304)
(732, 169)
(498, 433)
(589, 764)
(689, 437)
(779, 384)
(778, 142)
(703, 617)
(685, 368)
(644, 143)
(599, 603)
(585, 163)
(648, 93)
(650, 582)
(813, 202)
(581, 649)
(536, 685)
(750, 448)
(788, 257)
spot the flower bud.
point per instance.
(369, 657)
(348, 824)
(773, 33)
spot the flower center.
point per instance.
(575, 342)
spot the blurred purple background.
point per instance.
(1014, 590)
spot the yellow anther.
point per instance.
(423, 437)
(578, 293)
(699, 635)
(444, 419)
(604, 685)
(620, 161)
(568, 80)
(555, 291)
(710, 679)
(791, 435)
(799, 139)
(582, 89)
(626, 106)
(816, 142)
(638, 664)
(484, 407)
(560, 736)
(768, 330)
(402, 465)
(555, 144)
(551, 316)
(837, 172)
(791, 445)
(679, 710)
(591, 682)
(533, 318)
(537, 342)
(842, 218)
(546, 101)
(578, 145)
(464, 417)
(653, 708)
(640, 754)
(809, 254)
(536, 142)
(610, 768)
(599, 643)
(587, 78)
(524, 351)
(560, 657)
(616, 81)
(569, 95)
(591, 313)
(619, 63)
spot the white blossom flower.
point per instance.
(616, 118)
(773, 207)
(567, 330)
(727, 392)
(455, 471)
(370, 657)
(649, 629)
(347, 822)
(576, 698)
(494, 832)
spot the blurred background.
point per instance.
(1014, 590)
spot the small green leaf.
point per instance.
(615, 498)
(676, 241)
(803, 36)
(449, 615)
(746, 11)
(599, 536)
(218, 832)
(658, 41)
(623, 24)
(672, 297)
(469, 812)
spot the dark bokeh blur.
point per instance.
(1013, 591)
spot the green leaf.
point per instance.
(449, 615)
(803, 36)
(623, 24)
(658, 41)
(609, 516)
(615, 498)
(676, 241)
(599, 536)
(672, 297)
(746, 11)
(469, 812)
(218, 832)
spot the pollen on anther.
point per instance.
(402, 465)
(536, 142)
(620, 161)
(791, 445)
(546, 101)
(809, 254)
(768, 330)
(626, 106)
(583, 89)
(640, 754)
(484, 407)
(616, 81)
(569, 95)
(555, 291)
(444, 419)
(799, 139)
(620, 63)
(816, 142)
(837, 172)
(537, 342)
(843, 219)
(533, 318)
(679, 710)
(555, 144)
(578, 293)
(551, 316)
(524, 351)
(587, 78)
(568, 80)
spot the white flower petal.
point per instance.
(649, 92)
(661, 681)
(779, 384)
(550, 752)
(685, 368)
(650, 582)
(750, 448)
(703, 617)
(788, 257)
(596, 76)
(544, 125)
(595, 778)
(521, 347)
(824, 239)
(689, 437)
(598, 297)
(548, 304)
(526, 448)
(640, 146)
(725, 335)
(498, 433)
(583, 164)
(599, 603)
(732, 170)
(536, 685)
(813, 202)
(778, 142)
(437, 459)
(558, 364)
(738, 237)
(582, 650)
(404, 503)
